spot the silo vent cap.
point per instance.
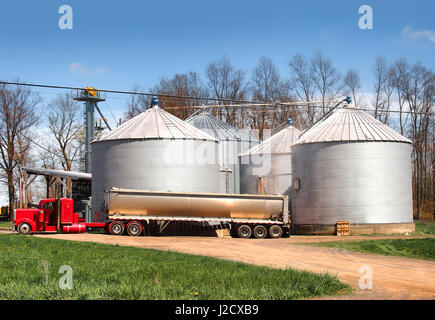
(154, 101)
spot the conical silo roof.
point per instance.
(217, 128)
(156, 123)
(350, 124)
(280, 142)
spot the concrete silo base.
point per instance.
(356, 229)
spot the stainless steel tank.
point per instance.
(154, 151)
(232, 142)
(128, 203)
(351, 167)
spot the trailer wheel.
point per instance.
(24, 228)
(244, 231)
(275, 231)
(134, 229)
(116, 228)
(260, 232)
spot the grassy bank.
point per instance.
(29, 269)
(424, 227)
(5, 224)
(411, 248)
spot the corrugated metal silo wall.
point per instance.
(359, 182)
(228, 157)
(159, 165)
(275, 169)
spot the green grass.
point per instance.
(5, 224)
(424, 227)
(114, 272)
(411, 248)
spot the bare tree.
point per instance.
(418, 86)
(23, 159)
(400, 77)
(17, 116)
(136, 104)
(303, 86)
(352, 83)
(225, 82)
(383, 89)
(182, 84)
(266, 86)
(65, 126)
(326, 78)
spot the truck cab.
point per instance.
(45, 217)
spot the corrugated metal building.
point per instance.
(351, 167)
(271, 162)
(232, 142)
(154, 151)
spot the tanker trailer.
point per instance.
(140, 211)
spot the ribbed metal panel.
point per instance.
(271, 160)
(350, 124)
(352, 167)
(154, 151)
(156, 165)
(281, 142)
(232, 142)
(217, 128)
(360, 182)
(156, 123)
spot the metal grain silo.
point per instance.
(154, 151)
(232, 142)
(351, 167)
(270, 162)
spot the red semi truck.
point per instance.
(139, 212)
(52, 215)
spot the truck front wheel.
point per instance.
(116, 228)
(24, 228)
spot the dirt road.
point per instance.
(393, 277)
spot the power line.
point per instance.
(126, 92)
(241, 103)
(289, 104)
(40, 146)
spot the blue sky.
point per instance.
(117, 44)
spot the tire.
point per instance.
(244, 231)
(134, 229)
(116, 228)
(275, 231)
(260, 232)
(24, 228)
